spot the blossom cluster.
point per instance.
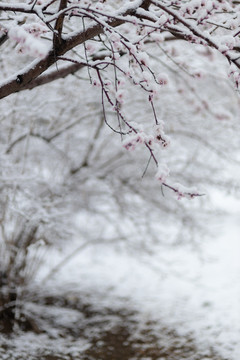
(156, 138)
(119, 49)
(27, 40)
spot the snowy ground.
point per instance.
(199, 293)
(194, 292)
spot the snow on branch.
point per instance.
(22, 8)
(28, 43)
(111, 39)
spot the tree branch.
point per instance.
(61, 73)
(57, 37)
(195, 31)
(23, 79)
(17, 8)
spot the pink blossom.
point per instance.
(96, 83)
(146, 76)
(35, 29)
(143, 58)
(90, 48)
(160, 137)
(131, 142)
(115, 37)
(162, 173)
(27, 43)
(120, 96)
(162, 79)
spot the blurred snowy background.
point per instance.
(79, 217)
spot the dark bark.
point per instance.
(25, 77)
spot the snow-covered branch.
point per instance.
(112, 40)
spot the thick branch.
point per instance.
(17, 8)
(59, 25)
(22, 80)
(60, 73)
(54, 75)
